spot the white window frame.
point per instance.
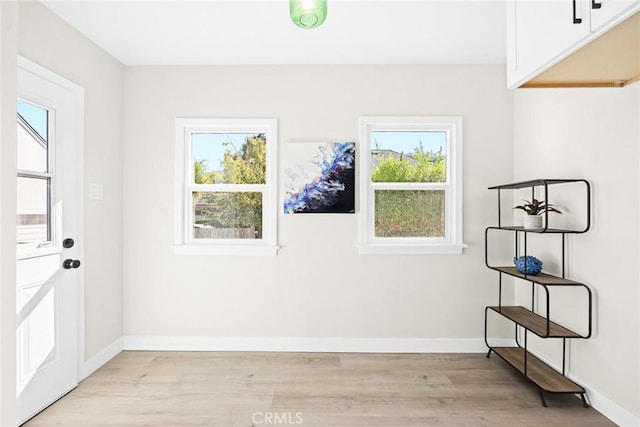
(452, 241)
(54, 243)
(184, 243)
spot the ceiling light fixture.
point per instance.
(308, 14)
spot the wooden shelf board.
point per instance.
(541, 278)
(534, 322)
(539, 372)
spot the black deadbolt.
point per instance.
(70, 263)
(68, 243)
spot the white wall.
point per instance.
(8, 21)
(593, 134)
(318, 286)
(52, 43)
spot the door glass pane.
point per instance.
(228, 158)
(36, 117)
(227, 215)
(409, 213)
(408, 156)
(32, 150)
(33, 210)
(33, 124)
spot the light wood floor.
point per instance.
(241, 389)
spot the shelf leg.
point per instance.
(584, 401)
(489, 353)
(544, 402)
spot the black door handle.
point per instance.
(576, 20)
(69, 263)
(595, 5)
(68, 243)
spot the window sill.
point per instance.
(417, 249)
(232, 250)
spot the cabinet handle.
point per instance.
(576, 20)
(595, 4)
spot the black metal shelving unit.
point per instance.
(529, 319)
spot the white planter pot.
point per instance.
(532, 222)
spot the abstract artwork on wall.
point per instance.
(319, 177)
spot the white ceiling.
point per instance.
(260, 32)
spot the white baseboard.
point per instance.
(100, 358)
(609, 408)
(597, 400)
(314, 345)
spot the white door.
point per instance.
(49, 242)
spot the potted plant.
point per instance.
(534, 211)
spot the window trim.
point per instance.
(184, 244)
(452, 242)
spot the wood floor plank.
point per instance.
(237, 389)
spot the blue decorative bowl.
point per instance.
(534, 265)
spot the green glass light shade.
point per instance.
(308, 13)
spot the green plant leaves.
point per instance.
(536, 207)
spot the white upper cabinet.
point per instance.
(540, 33)
(605, 12)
